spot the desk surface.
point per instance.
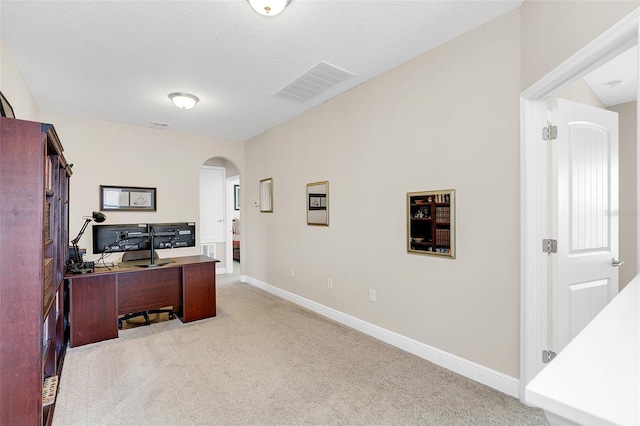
(175, 262)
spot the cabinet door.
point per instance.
(93, 309)
(198, 291)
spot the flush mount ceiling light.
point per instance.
(183, 100)
(268, 7)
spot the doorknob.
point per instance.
(615, 262)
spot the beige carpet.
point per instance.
(265, 361)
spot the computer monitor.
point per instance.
(118, 238)
(173, 235)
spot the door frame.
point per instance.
(533, 187)
(229, 183)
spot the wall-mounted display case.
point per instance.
(431, 223)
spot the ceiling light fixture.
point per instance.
(183, 100)
(268, 7)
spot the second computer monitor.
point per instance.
(173, 235)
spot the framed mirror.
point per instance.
(266, 195)
(431, 223)
(318, 203)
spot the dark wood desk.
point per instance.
(95, 300)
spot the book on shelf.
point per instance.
(442, 198)
(47, 285)
(47, 222)
(49, 390)
(443, 237)
(443, 214)
(48, 172)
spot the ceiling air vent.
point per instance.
(316, 80)
(159, 124)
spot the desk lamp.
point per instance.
(76, 264)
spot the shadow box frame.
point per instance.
(431, 223)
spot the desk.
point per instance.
(95, 300)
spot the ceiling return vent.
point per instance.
(313, 82)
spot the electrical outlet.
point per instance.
(292, 273)
(330, 283)
(372, 295)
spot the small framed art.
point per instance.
(266, 195)
(127, 198)
(318, 203)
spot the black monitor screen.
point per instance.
(173, 235)
(114, 238)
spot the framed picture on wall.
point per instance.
(318, 203)
(127, 198)
(266, 195)
(236, 197)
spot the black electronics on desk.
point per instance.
(147, 236)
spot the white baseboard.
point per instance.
(469, 369)
(220, 271)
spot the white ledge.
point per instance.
(596, 378)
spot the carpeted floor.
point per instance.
(265, 361)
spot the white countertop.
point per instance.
(595, 380)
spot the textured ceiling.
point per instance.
(118, 60)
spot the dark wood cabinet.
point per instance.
(34, 234)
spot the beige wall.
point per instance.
(14, 88)
(106, 153)
(429, 124)
(553, 30)
(627, 119)
(579, 92)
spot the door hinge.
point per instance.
(549, 246)
(549, 133)
(547, 356)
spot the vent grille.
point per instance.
(208, 250)
(313, 82)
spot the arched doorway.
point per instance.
(220, 213)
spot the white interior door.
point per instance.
(212, 206)
(585, 274)
(535, 287)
